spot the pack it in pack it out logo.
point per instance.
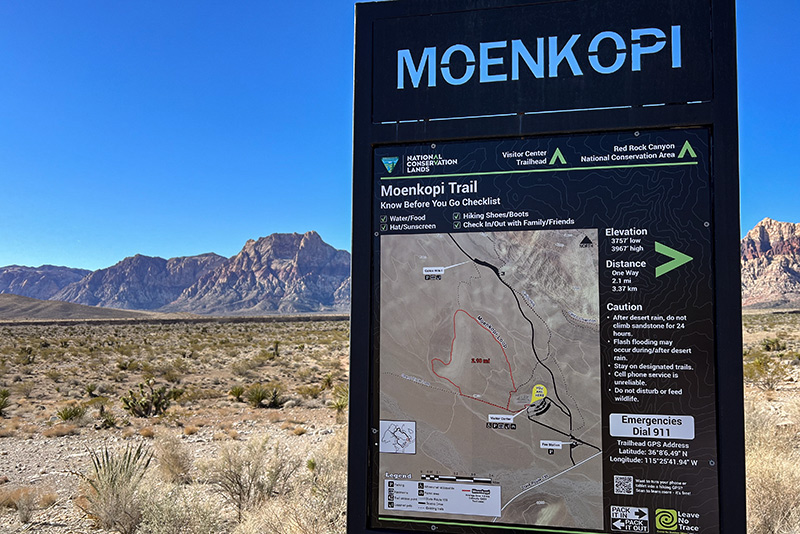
(390, 162)
(643, 42)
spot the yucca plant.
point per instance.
(4, 402)
(113, 480)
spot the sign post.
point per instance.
(546, 323)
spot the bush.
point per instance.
(317, 503)
(26, 500)
(174, 460)
(309, 392)
(236, 392)
(112, 498)
(146, 403)
(248, 474)
(4, 402)
(341, 399)
(71, 413)
(265, 395)
(773, 344)
(764, 371)
(175, 511)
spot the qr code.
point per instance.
(623, 485)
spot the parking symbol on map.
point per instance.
(630, 519)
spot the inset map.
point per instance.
(398, 437)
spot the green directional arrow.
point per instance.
(557, 155)
(687, 148)
(678, 259)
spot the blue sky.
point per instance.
(175, 128)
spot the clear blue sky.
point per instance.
(173, 128)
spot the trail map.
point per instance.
(489, 342)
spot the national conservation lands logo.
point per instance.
(390, 163)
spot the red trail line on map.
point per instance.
(452, 344)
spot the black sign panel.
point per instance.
(546, 322)
(544, 311)
(541, 57)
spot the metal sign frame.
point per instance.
(716, 113)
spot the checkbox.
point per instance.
(456, 216)
(457, 225)
(384, 227)
(383, 218)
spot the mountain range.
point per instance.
(300, 273)
(280, 273)
(770, 261)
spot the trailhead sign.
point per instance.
(546, 322)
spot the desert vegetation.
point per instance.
(172, 427)
(772, 421)
(239, 428)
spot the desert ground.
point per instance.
(256, 411)
(253, 438)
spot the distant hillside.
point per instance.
(280, 273)
(139, 282)
(17, 307)
(37, 282)
(770, 261)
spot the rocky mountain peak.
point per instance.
(770, 262)
(279, 272)
(771, 238)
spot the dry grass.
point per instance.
(60, 430)
(316, 501)
(174, 459)
(773, 470)
(26, 500)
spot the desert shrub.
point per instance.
(773, 475)
(247, 474)
(54, 374)
(327, 381)
(264, 356)
(265, 395)
(90, 389)
(25, 356)
(174, 510)
(244, 367)
(71, 413)
(236, 392)
(146, 403)
(25, 389)
(26, 503)
(309, 392)
(26, 500)
(128, 364)
(341, 399)
(764, 371)
(174, 460)
(113, 481)
(4, 402)
(107, 419)
(316, 503)
(773, 344)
